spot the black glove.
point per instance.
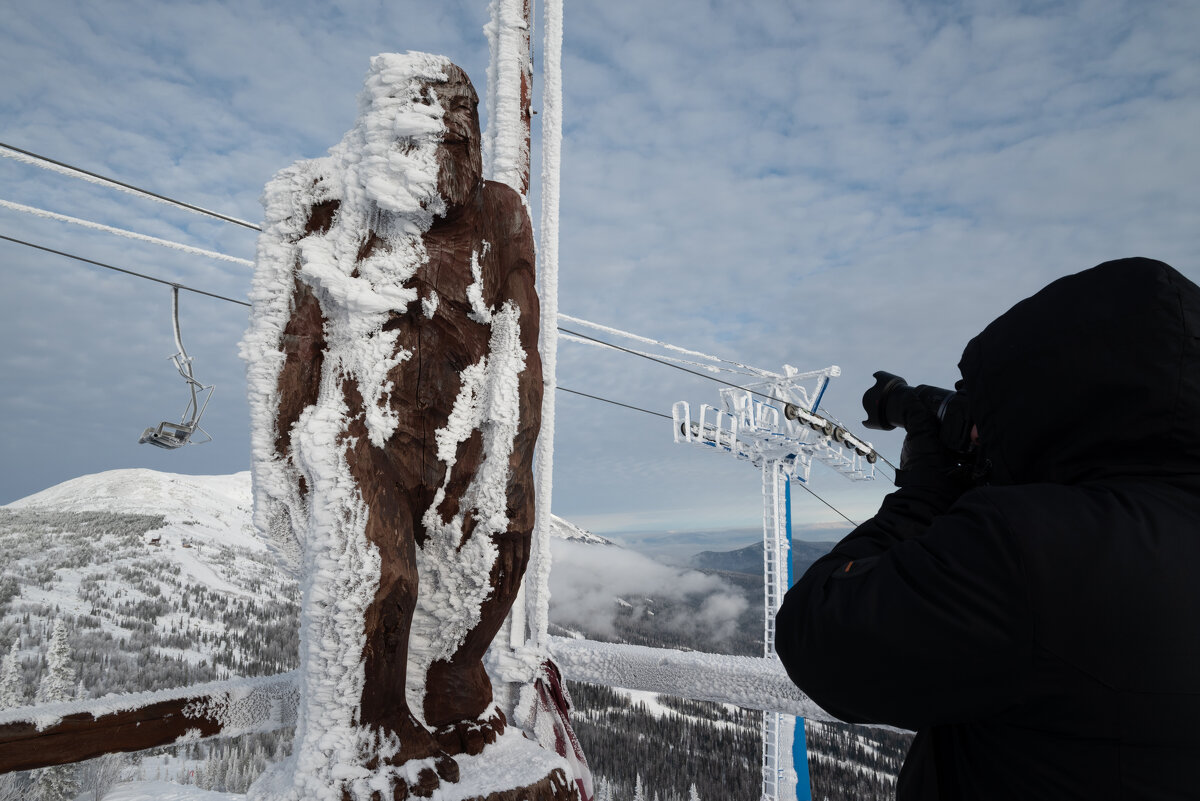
(924, 460)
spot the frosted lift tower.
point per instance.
(774, 425)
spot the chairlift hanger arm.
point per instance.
(170, 435)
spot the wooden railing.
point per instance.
(56, 734)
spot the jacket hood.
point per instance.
(1095, 376)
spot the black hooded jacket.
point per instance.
(1041, 633)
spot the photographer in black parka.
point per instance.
(1032, 609)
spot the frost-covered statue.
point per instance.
(396, 389)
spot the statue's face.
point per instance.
(460, 166)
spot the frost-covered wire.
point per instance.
(703, 366)
(662, 361)
(108, 229)
(614, 403)
(807, 488)
(742, 368)
(810, 491)
(122, 270)
(26, 157)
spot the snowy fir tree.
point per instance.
(639, 793)
(693, 793)
(12, 688)
(58, 682)
(59, 783)
(13, 787)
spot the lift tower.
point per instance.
(774, 425)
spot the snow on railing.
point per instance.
(56, 734)
(72, 731)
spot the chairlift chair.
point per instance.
(171, 435)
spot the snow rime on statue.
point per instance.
(395, 390)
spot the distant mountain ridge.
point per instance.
(749, 560)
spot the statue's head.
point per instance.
(415, 148)
(460, 164)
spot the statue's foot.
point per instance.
(428, 779)
(472, 736)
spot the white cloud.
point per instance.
(588, 582)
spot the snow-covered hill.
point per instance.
(156, 567)
(217, 506)
(161, 576)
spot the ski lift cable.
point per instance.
(243, 303)
(177, 286)
(809, 490)
(50, 215)
(658, 414)
(674, 359)
(35, 159)
(789, 409)
(742, 368)
(26, 157)
(123, 270)
(615, 403)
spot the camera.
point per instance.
(885, 403)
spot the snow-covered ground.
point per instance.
(164, 791)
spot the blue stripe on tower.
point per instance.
(799, 745)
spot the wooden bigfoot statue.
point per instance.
(396, 392)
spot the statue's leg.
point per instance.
(458, 691)
(391, 526)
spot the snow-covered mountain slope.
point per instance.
(154, 567)
(161, 577)
(218, 506)
(569, 532)
(201, 544)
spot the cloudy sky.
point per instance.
(864, 183)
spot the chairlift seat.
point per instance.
(167, 435)
(170, 435)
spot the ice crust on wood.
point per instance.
(368, 177)
(392, 191)
(241, 706)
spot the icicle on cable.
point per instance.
(166, 243)
(33, 159)
(758, 371)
